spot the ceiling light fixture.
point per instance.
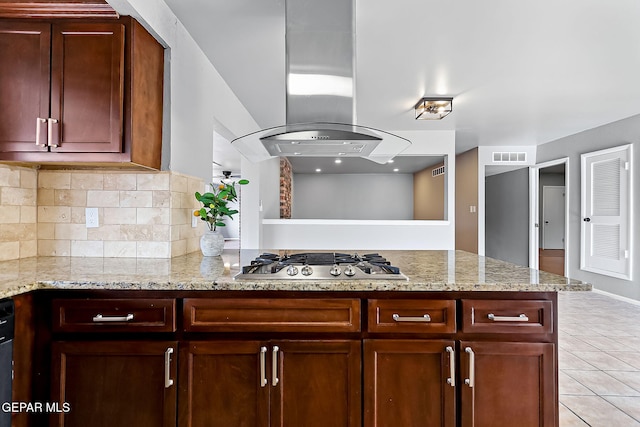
(396, 170)
(318, 170)
(338, 160)
(433, 108)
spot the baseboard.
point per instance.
(618, 297)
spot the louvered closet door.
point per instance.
(606, 216)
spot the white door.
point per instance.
(553, 217)
(606, 212)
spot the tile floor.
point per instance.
(599, 358)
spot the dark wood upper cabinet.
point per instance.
(25, 68)
(81, 92)
(87, 70)
(56, 9)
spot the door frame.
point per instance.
(534, 212)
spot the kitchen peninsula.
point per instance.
(466, 340)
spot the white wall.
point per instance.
(611, 135)
(485, 158)
(200, 100)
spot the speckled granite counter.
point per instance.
(426, 270)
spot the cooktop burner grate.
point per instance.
(320, 265)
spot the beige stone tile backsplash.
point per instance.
(18, 220)
(140, 214)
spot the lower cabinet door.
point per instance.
(106, 384)
(270, 383)
(316, 383)
(409, 383)
(506, 384)
(223, 383)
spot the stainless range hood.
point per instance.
(320, 91)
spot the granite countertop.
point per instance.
(426, 270)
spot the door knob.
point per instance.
(587, 219)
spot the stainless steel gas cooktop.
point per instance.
(320, 266)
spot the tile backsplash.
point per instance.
(140, 214)
(18, 212)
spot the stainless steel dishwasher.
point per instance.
(6, 359)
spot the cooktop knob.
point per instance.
(335, 270)
(292, 270)
(350, 271)
(306, 270)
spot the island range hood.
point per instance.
(320, 92)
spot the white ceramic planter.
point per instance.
(212, 243)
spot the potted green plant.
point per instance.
(215, 207)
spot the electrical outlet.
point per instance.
(91, 215)
(194, 221)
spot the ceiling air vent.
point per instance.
(437, 172)
(501, 157)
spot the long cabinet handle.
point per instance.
(168, 382)
(50, 123)
(274, 366)
(39, 121)
(452, 366)
(101, 318)
(398, 318)
(263, 366)
(522, 318)
(472, 367)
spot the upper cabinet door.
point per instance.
(87, 69)
(24, 84)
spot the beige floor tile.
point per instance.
(632, 379)
(630, 357)
(630, 405)
(603, 361)
(569, 419)
(568, 385)
(608, 344)
(597, 412)
(572, 344)
(602, 383)
(568, 360)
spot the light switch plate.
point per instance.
(91, 215)
(194, 221)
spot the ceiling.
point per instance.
(520, 72)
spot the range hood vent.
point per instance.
(320, 88)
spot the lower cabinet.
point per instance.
(268, 362)
(409, 383)
(107, 383)
(273, 383)
(505, 382)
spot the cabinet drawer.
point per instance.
(271, 315)
(114, 315)
(417, 316)
(507, 316)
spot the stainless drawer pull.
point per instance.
(101, 318)
(274, 366)
(452, 366)
(522, 318)
(472, 368)
(50, 123)
(168, 382)
(39, 122)
(263, 367)
(398, 318)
